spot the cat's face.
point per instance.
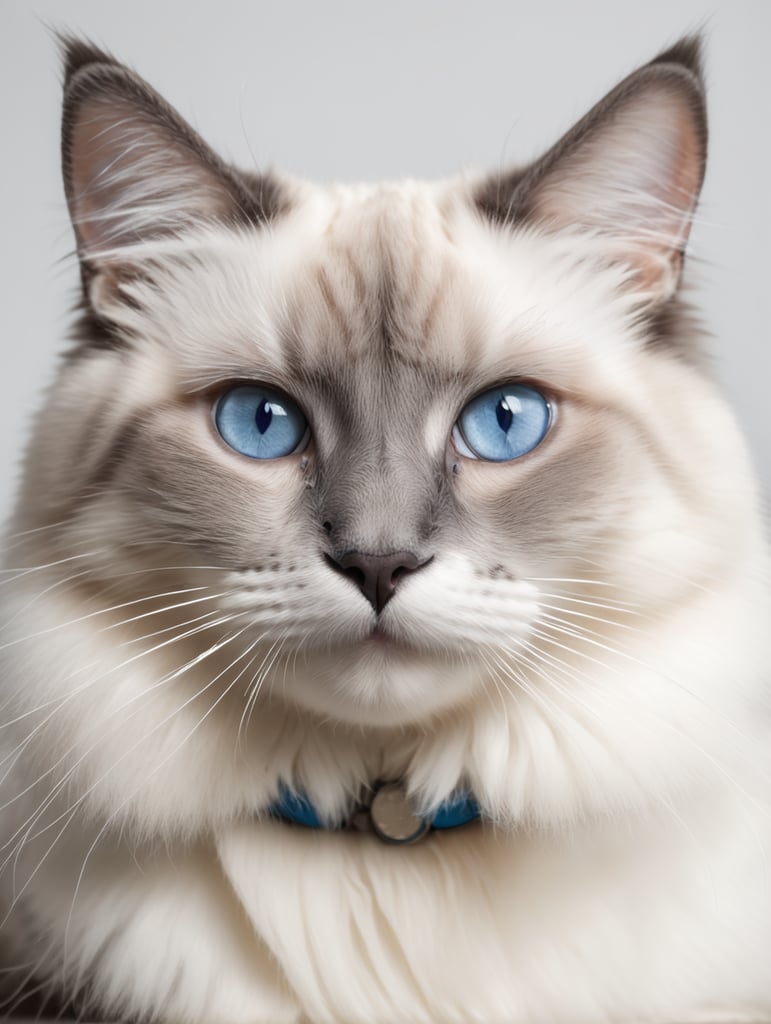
(392, 453)
(392, 570)
(382, 313)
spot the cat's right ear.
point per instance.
(136, 172)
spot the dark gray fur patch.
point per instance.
(91, 332)
(676, 327)
(119, 449)
(376, 490)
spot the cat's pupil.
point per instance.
(263, 416)
(504, 415)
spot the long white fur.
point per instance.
(612, 723)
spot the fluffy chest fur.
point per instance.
(485, 526)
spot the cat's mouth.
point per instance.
(379, 636)
(380, 679)
(381, 639)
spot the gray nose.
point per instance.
(377, 576)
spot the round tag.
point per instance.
(394, 817)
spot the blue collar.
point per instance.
(390, 813)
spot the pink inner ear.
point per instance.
(95, 155)
(685, 180)
(132, 178)
(658, 265)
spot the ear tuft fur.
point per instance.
(688, 52)
(79, 53)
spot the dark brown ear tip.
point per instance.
(79, 53)
(687, 52)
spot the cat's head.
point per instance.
(432, 448)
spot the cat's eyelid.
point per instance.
(553, 395)
(207, 385)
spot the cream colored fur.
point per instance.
(588, 652)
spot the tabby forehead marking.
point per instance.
(381, 295)
(341, 321)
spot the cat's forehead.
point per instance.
(375, 282)
(411, 276)
(379, 276)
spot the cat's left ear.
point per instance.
(629, 172)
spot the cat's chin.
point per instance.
(380, 682)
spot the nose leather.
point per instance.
(377, 576)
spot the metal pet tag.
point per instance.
(394, 817)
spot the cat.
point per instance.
(385, 609)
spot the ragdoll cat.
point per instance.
(360, 515)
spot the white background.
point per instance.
(358, 90)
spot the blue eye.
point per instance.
(502, 424)
(260, 423)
